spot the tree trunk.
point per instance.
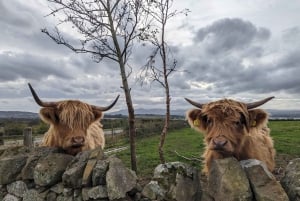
(167, 95)
(131, 118)
(165, 129)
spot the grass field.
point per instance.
(188, 143)
(286, 135)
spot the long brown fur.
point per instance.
(245, 131)
(69, 119)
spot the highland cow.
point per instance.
(233, 129)
(74, 126)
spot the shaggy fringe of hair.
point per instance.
(76, 114)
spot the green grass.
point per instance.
(189, 143)
(185, 141)
(286, 136)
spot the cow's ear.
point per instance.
(244, 120)
(49, 115)
(98, 114)
(195, 119)
(258, 118)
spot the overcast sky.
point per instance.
(245, 50)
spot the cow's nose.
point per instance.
(78, 140)
(219, 143)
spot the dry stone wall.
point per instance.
(49, 174)
(36, 174)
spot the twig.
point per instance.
(186, 158)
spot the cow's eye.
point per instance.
(56, 118)
(204, 118)
(238, 123)
(209, 121)
(242, 120)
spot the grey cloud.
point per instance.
(14, 66)
(290, 34)
(259, 79)
(21, 29)
(177, 81)
(291, 60)
(217, 59)
(233, 41)
(14, 15)
(230, 34)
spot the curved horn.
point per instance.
(107, 107)
(198, 105)
(258, 103)
(38, 100)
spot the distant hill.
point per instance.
(284, 114)
(18, 115)
(274, 114)
(142, 111)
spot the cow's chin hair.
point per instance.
(224, 153)
(73, 150)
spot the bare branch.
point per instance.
(108, 29)
(158, 67)
(187, 158)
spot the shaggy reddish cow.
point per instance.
(233, 129)
(74, 126)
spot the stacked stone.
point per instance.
(36, 174)
(48, 174)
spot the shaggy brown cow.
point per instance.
(235, 129)
(74, 126)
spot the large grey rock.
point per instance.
(58, 188)
(14, 164)
(3, 192)
(186, 188)
(64, 198)
(49, 170)
(95, 155)
(99, 173)
(119, 179)
(9, 197)
(77, 196)
(174, 181)
(15, 151)
(263, 183)
(51, 196)
(291, 180)
(17, 188)
(68, 192)
(33, 157)
(97, 192)
(72, 177)
(153, 191)
(227, 181)
(32, 195)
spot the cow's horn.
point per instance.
(38, 100)
(198, 105)
(258, 103)
(107, 107)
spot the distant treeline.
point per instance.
(144, 125)
(284, 119)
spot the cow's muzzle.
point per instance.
(77, 141)
(219, 143)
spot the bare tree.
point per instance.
(108, 29)
(160, 65)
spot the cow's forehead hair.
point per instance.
(75, 114)
(225, 108)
